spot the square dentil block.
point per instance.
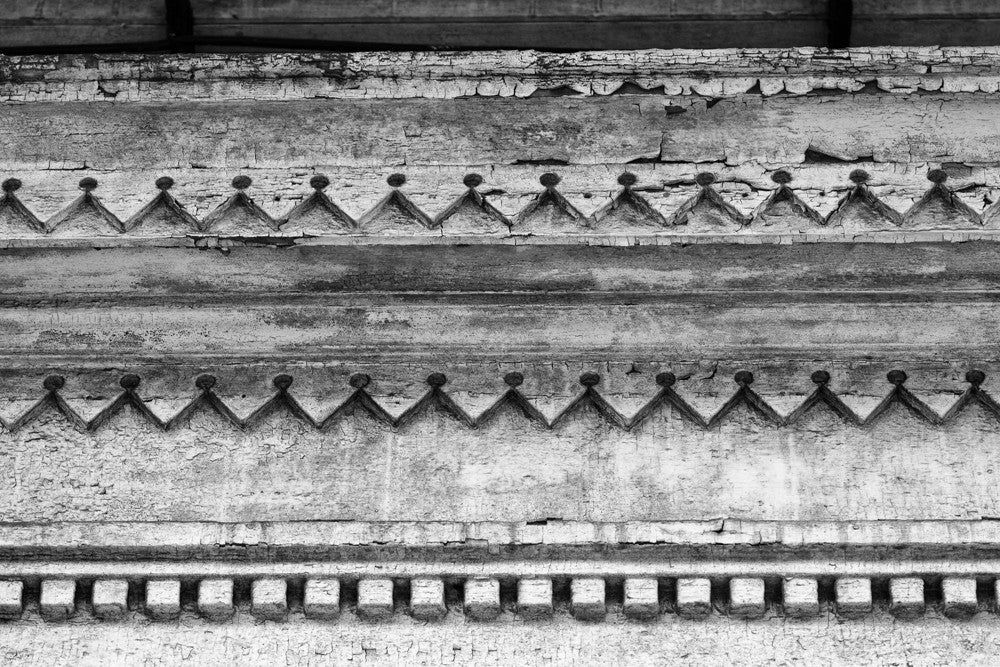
(482, 599)
(959, 597)
(746, 598)
(906, 597)
(163, 599)
(694, 597)
(11, 598)
(269, 599)
(427, 599)
(375, 599)
(642, 599)
(322, 599)
(534, 598)
(801, 597)
(57, 599)
(215, 599)
(588, 599)
(854, 597)
(110, 599)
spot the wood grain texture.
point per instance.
(563, 24)
(33, 23)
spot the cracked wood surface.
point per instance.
(522, 73)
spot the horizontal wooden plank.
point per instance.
(553, 328)
(435, 10)
(145, 276)
(543, 33)
(350, 132)
(844, 127)
(80, 37)
(40, 23)
(68, 11)
(958, 31)
(554, 538)
(775, 131)
(923, 9)
(563, 24)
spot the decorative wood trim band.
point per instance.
(285, 76)
(268, 540)
(549, 214)
(527, 591)
(437, 398)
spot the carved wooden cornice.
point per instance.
(460, 343)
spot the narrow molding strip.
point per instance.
(550, 214)
(523, 568)
(241, 541)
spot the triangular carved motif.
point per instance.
(359, 405)
(317, 215)
(861, 211)
(163, 216)
(783, 212)
(16, 220)
(940, 208)
(396, 214)
(747, 398)
(667, 398)
(239, 215)
(435, 400)
(902, 398)
(549, 213)
(85, 216)
(472, 214)
(590, 402)
(707, 212)
(628, 212)
(822, 398)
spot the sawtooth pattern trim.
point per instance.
(549, 214)
(437, 398)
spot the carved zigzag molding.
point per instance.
(437, 398)
(550, 213)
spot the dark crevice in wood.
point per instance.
(840, 17)
(180, 25)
